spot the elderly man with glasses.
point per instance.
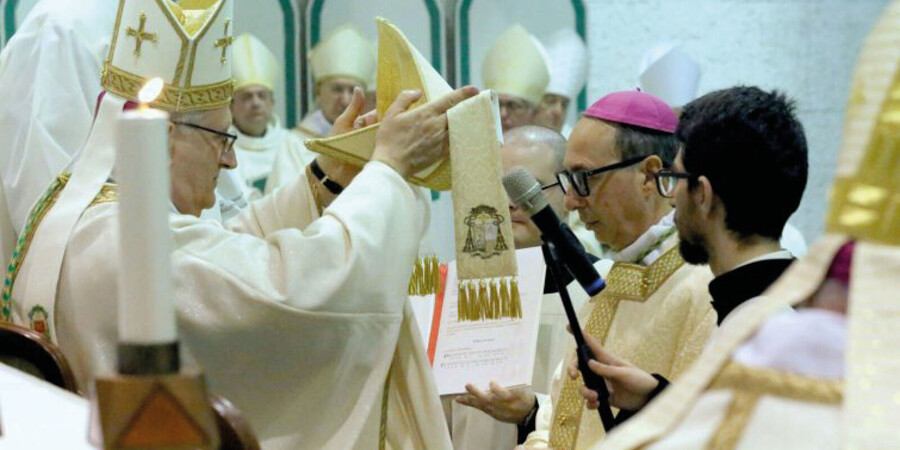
(655, 309)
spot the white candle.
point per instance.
(146, 308)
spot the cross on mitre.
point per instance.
(225, 41)
(140, 35)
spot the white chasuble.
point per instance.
(302, 322)
(256, 156)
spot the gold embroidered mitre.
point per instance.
(400, 67)
(187, 44)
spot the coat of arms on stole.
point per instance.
(484, 238)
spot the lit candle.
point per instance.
(146, 309)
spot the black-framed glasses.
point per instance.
(228, 138)
(666, 180)
(578, 179)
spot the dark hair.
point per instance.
(632, 141)
(752, 148)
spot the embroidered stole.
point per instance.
(625, 282)
(40, 317)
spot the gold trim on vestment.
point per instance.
(750, 384)
(628, 282)
(127, 85)
(866, 205)
(382, 428)
(108, 193)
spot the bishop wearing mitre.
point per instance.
(299, 317)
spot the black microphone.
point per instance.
(562, 248)
(525, 192)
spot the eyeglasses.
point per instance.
(579, 179)
(227, 138)
(667, 179)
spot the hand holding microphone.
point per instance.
(561, 244)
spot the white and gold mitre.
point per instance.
(568, 57)
(400, 67)
(344, 53)
(517, 65)
(187, 44)
(254, 63)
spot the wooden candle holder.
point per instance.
(150, 411)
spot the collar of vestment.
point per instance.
(267, 142)
(315, 123)
(649, 245)
(750, 280)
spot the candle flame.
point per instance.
(151, 90)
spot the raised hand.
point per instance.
(411, 140)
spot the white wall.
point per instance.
(806, 48)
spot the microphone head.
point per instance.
(524, 190)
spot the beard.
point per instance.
(693, 250)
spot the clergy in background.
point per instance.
(260, 134)
(340, 63)
(611, 160)
(826, 376)
(516, 67)
(568, 60)
(282, 307)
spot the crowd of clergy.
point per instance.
(718, 327)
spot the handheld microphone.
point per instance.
(562, 248)
(526, 193)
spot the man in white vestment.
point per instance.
(516, 67)
(44, 117)
(826, 376)
(300, 319)
(611, 160)
(342, 62)
(568, 61)
(260, 134)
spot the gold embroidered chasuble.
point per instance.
(658, 317)
(759, 407)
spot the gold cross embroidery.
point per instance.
(225, 41)
(140, 35)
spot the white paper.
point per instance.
(423, 309)
(501, 350)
